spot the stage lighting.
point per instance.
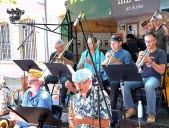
(15, 14)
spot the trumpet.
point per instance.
(140, 63)
(57, 58)
(110, 58)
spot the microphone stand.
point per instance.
(22, 45)
(100, 83)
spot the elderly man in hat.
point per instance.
(117, 55)
(83, 109)
(5, 96)
(35, 96)
(161, 31)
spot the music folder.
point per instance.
(33, 114)
(127, 72)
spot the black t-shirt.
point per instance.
(160, 57)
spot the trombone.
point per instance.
(57, 58)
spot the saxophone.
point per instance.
(71, 111)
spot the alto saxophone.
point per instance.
(71, 111)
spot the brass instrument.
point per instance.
(110, 58)
(71, 111)
(57, 58)
(13, 96)
(147, 52)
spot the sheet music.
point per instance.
(70, 69)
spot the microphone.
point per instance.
(78, 19)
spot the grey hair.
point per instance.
(59, 42)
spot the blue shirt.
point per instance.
(122, 56)
(41, 99)
(97, 57)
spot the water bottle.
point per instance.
(140, 110)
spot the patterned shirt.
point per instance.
(5, 97)
(87, 106)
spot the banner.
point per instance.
(133, 7)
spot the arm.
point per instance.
(77, 120)
(160, 68)
(68, 59)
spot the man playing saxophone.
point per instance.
(117, 55)
(154, 65)
(67, 57)
(84, 111)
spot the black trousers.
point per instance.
(50, 79)
(114, 93)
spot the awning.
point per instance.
(95, 9)
(164, 5)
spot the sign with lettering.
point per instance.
(133, 7)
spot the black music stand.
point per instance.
(122, 72)
(37, 116)
(25, 65)
(58, 70)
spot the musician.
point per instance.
(120, 56)
(67, 58)
(5, 97)
(153, 67)
(161, 31)
(86, 62)
(35, 96)
(83, 106)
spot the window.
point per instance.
(28, 39)
(5, 47)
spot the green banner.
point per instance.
(93, 9)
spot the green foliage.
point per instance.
(14, 2)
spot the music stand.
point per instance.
(122, 72)
(58, 70)
(35, 115)
(25, 65)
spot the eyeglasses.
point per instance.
(31, 81)
(89, 43)
(149, 41)
(84, 82)
(58, 47)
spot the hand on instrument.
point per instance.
(141, 55)
(76, 120)
(87, 60)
